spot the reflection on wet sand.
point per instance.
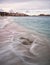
(19, 47)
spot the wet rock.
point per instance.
(26, 41)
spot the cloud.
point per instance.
(25, 5)
(13, 1)
(1, 10)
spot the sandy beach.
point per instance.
(19, 47)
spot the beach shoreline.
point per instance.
(19, 46)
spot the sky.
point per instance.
(26, 6)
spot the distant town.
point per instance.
(20, 14)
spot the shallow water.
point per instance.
(20, 47)
(39, 24)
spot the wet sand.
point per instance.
(19, 47)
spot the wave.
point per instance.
(20, 47)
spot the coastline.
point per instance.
(14, 28)
(18, 44)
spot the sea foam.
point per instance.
(20, 47)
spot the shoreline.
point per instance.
(16, 28)
(18, 44)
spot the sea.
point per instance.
(25, 40)
(38, 24)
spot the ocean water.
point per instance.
(24, 40)
(39, 24)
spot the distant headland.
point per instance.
(12, 14)
(44, 15)
(20, 14)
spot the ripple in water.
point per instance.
(22, 48)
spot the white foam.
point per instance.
(20, 47)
